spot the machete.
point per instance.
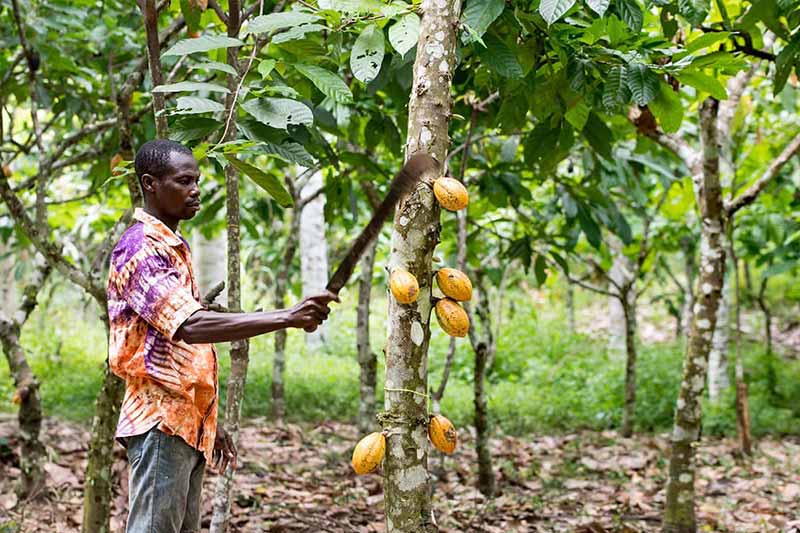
(402, 184)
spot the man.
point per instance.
(160, 344)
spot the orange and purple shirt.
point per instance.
(151, 292)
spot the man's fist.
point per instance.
(312, 311)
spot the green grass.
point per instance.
(544, 379)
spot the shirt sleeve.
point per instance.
(154, 291)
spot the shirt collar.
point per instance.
(157, 229)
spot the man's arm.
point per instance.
(210, 326)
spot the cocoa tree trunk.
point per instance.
(281, 288)
(313, 249)
(742, 403)
(629, 408)
(482, 428)
(772, 378)
(679, 512)
(367, 360)
(414, 236)
(32, 451)
(239, 349)
(690, 270)
(718, 358)
(150, 13)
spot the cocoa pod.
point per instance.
(6, 171)
(404, 286)
(443, 434)
(451, 194)
(368, 453)
(454, 284)
(116, 160)
(452, 317)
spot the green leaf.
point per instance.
(404, 34)
(642, 82)
(694, 11)
(552, 10)
(578, 115)
(589, 227)
(539, 269)
(327, 82)
(268, 182)
(599, 135)
(279, 112)
(295, 34)
(479, 14)
(215, 65)
(279, 21)
(706, 40)
(367, 54)
(540, 141)
(560, 260)
(631, 14)
(778, 268)
(185, 86)
(201, 44)
(667, 108)
(191, 14)
(598, 6)
(290, 152)
(265, 67)
(703, 82)
(786, 59)
(500, 58)
(190, 105)
(193, 128)
(616, 92)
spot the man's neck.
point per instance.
(171, 223)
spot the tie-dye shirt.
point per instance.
(151, 292)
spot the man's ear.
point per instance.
(148, 183)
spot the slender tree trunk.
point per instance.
(629, 410)
(32, 451)
(571, 307)
(239, 349)
(482, 428)
(620, 274)
(97, 485)
(154, 58)
(742, 403)
(679, 513)
(414, 236)
(689, 270)
(313, 249)
(772, 378)
(367, 360)
(718, 358)
(281, 289)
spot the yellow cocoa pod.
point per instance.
(404, 286)
(6, 171)
(451, 194)
(17, 398)
(452, 317)
(369, 453)
(442, 434)
(454, 284)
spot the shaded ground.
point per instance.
(298, 478)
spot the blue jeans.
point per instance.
(166, 477)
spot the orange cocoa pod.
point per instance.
(454, 284)
(6, 171)
(194, 34)
(116, 160)
(443, 434)
(404, 286)
(452, 317)
(451, 194)
(17, 398)
(368, 453)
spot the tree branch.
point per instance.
(752, 192)
(154, 59)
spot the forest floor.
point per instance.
(298, 478)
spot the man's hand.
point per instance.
(224, 451)
(312, 311)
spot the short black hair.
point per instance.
(153, 157)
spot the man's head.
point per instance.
(169, 175)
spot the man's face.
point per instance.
(176, 194)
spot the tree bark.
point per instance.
(679, 512)
(281, 288)
(629, 409)
(414, 236)
(367, 360)
(742, 403)
(690, 272)
(239, 349)
(313, 249)
(571, 307)
(772, 378)
(32, 451)
(621, 274)
(482, 428)
(154, 59)
(718, 358)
